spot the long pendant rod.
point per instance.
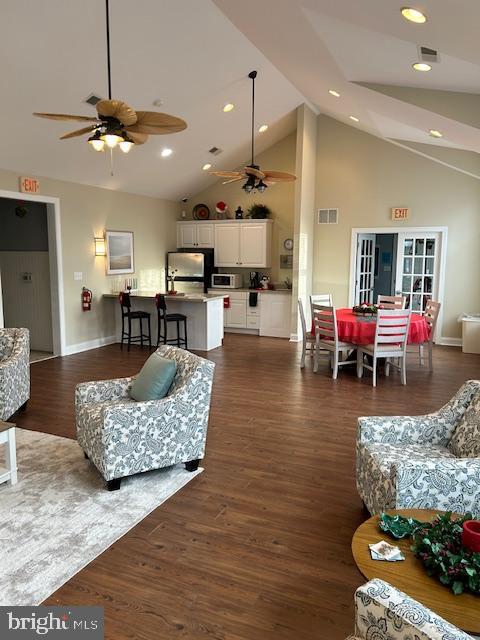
(253, 75)
(108, 49)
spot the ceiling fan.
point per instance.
(116, 122)
(256, 179)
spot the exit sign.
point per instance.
(400, 213)
(29, 185)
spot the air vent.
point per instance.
(215, 151)
(327, 216)
(427, 55)
(92, 99)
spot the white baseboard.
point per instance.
(91, 344)
(250, 332)
(449, 342)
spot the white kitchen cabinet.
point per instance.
(236, 316)
(254, 245)
(195, 235)
(227, 245)
(243, 244)
(206, 236)
(275, 316)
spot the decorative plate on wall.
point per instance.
(201, 212)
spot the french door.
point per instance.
(365, 273)
(418, 266)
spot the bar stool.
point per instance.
(129, 315)
(163, 316)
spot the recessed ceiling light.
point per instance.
(334, 93)
(435, 133)
(413, 15)
(207, 166)
(263, 128)
(422, 66)
(166, 152)
(354, 118)
(228, 107)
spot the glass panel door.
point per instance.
(418, 260)
(365, 274)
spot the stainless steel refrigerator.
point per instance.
(193, 270)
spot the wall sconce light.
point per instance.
(100, 247)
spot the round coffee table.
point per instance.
(410, 576)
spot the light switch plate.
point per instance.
(77, 275)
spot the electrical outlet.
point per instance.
(77, 275)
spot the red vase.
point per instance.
(471, 535)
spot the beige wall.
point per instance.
(364, 177)
(280, 198)
(85, 213)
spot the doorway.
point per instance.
(376, 266)
(31, 283)
(410, 262)
(25, 272)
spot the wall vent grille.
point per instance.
(92, 99)
(327, 216)
(427, 55)
(215, 151)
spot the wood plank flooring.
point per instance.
(258, 546)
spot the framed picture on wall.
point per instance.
(119, 252)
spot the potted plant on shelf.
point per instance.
(259, 211)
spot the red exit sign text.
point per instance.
(400, 213)
(29, 185)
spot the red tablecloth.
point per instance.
(361, 330)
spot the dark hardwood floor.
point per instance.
(258, 546)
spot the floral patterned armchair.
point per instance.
(406, 462)
(123, 437)
(14, 371)
(384, 613)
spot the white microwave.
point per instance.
(227, 280)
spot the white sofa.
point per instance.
(14, 371)
(384, 613)
(407, 462)
(123, 437)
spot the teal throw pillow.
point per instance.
(154, 379)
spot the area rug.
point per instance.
(59, 516)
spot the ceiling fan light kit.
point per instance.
(255, 179)
(117, 124)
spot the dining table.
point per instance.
(360, 329)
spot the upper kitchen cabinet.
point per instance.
(243, 244)
(195, 235)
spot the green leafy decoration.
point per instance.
(438, 544)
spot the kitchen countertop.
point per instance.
(247, 290)
(193, 297)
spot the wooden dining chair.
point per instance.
(308, 338)
(391, 302)
(324, 299)
(391, 335)
(326, 338)
(432, 310)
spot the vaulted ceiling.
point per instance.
(185, 53)
(194, 56)
(365, 51)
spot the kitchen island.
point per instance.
(204, 316)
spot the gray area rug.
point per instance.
(59, 516)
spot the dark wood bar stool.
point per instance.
(164, 318)
(127, 316)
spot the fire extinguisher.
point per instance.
(87, 296)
